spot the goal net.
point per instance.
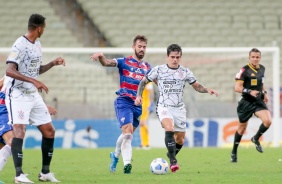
(83, 89)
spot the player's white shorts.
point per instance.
(27, 109)
(177, 114)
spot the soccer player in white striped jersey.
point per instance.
(171, 111)
(24, 104)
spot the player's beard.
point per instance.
(138, 55)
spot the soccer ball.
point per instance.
(159, 166)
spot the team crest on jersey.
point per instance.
(138, 70)
(21, 115)
(180, 73)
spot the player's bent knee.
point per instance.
(128, 136)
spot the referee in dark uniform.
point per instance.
(249, 82)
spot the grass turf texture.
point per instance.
(197, 165)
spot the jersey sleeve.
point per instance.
(153, 74)
(120, 62)
(17, 53)
(190, 78)
(240, 75)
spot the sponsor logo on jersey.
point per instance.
(169, 82)
(238, 75)
(254, 82)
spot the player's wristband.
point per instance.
(246, 91)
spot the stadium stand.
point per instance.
(202, 23)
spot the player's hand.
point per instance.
(59, 61)
(255, 93)
(138, 101)
(52, 110)
(212, 92)
(265, 98)
(96, 56)
(40, 86)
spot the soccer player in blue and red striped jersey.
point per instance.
(131, 70)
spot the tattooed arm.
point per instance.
(103, 60)
(141, 87)
(201, 89)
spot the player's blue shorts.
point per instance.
(127, 112)
(4, 127)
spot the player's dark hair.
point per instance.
(254, 50)
(141, 38)
(36, 20)
(174, 48)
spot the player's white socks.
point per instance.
(126, 148)
(5, 153)
(118, 146)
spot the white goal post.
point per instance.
(275, 51)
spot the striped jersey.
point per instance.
(131, 72)
(3, 109)
(28, 58)
(171, 83)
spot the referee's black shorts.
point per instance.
(246, 109)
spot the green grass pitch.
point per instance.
(197, 165)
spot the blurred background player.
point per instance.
(6, 131)
(147, 109)
(24, 103)
(131, 70)
(249, 82)
(171, 111)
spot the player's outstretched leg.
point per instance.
(257, 144)
(114, 161)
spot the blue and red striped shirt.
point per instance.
(131, 72)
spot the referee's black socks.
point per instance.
(261, 130)
(237, 140)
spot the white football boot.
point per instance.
(48, 177)
(22, 179)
